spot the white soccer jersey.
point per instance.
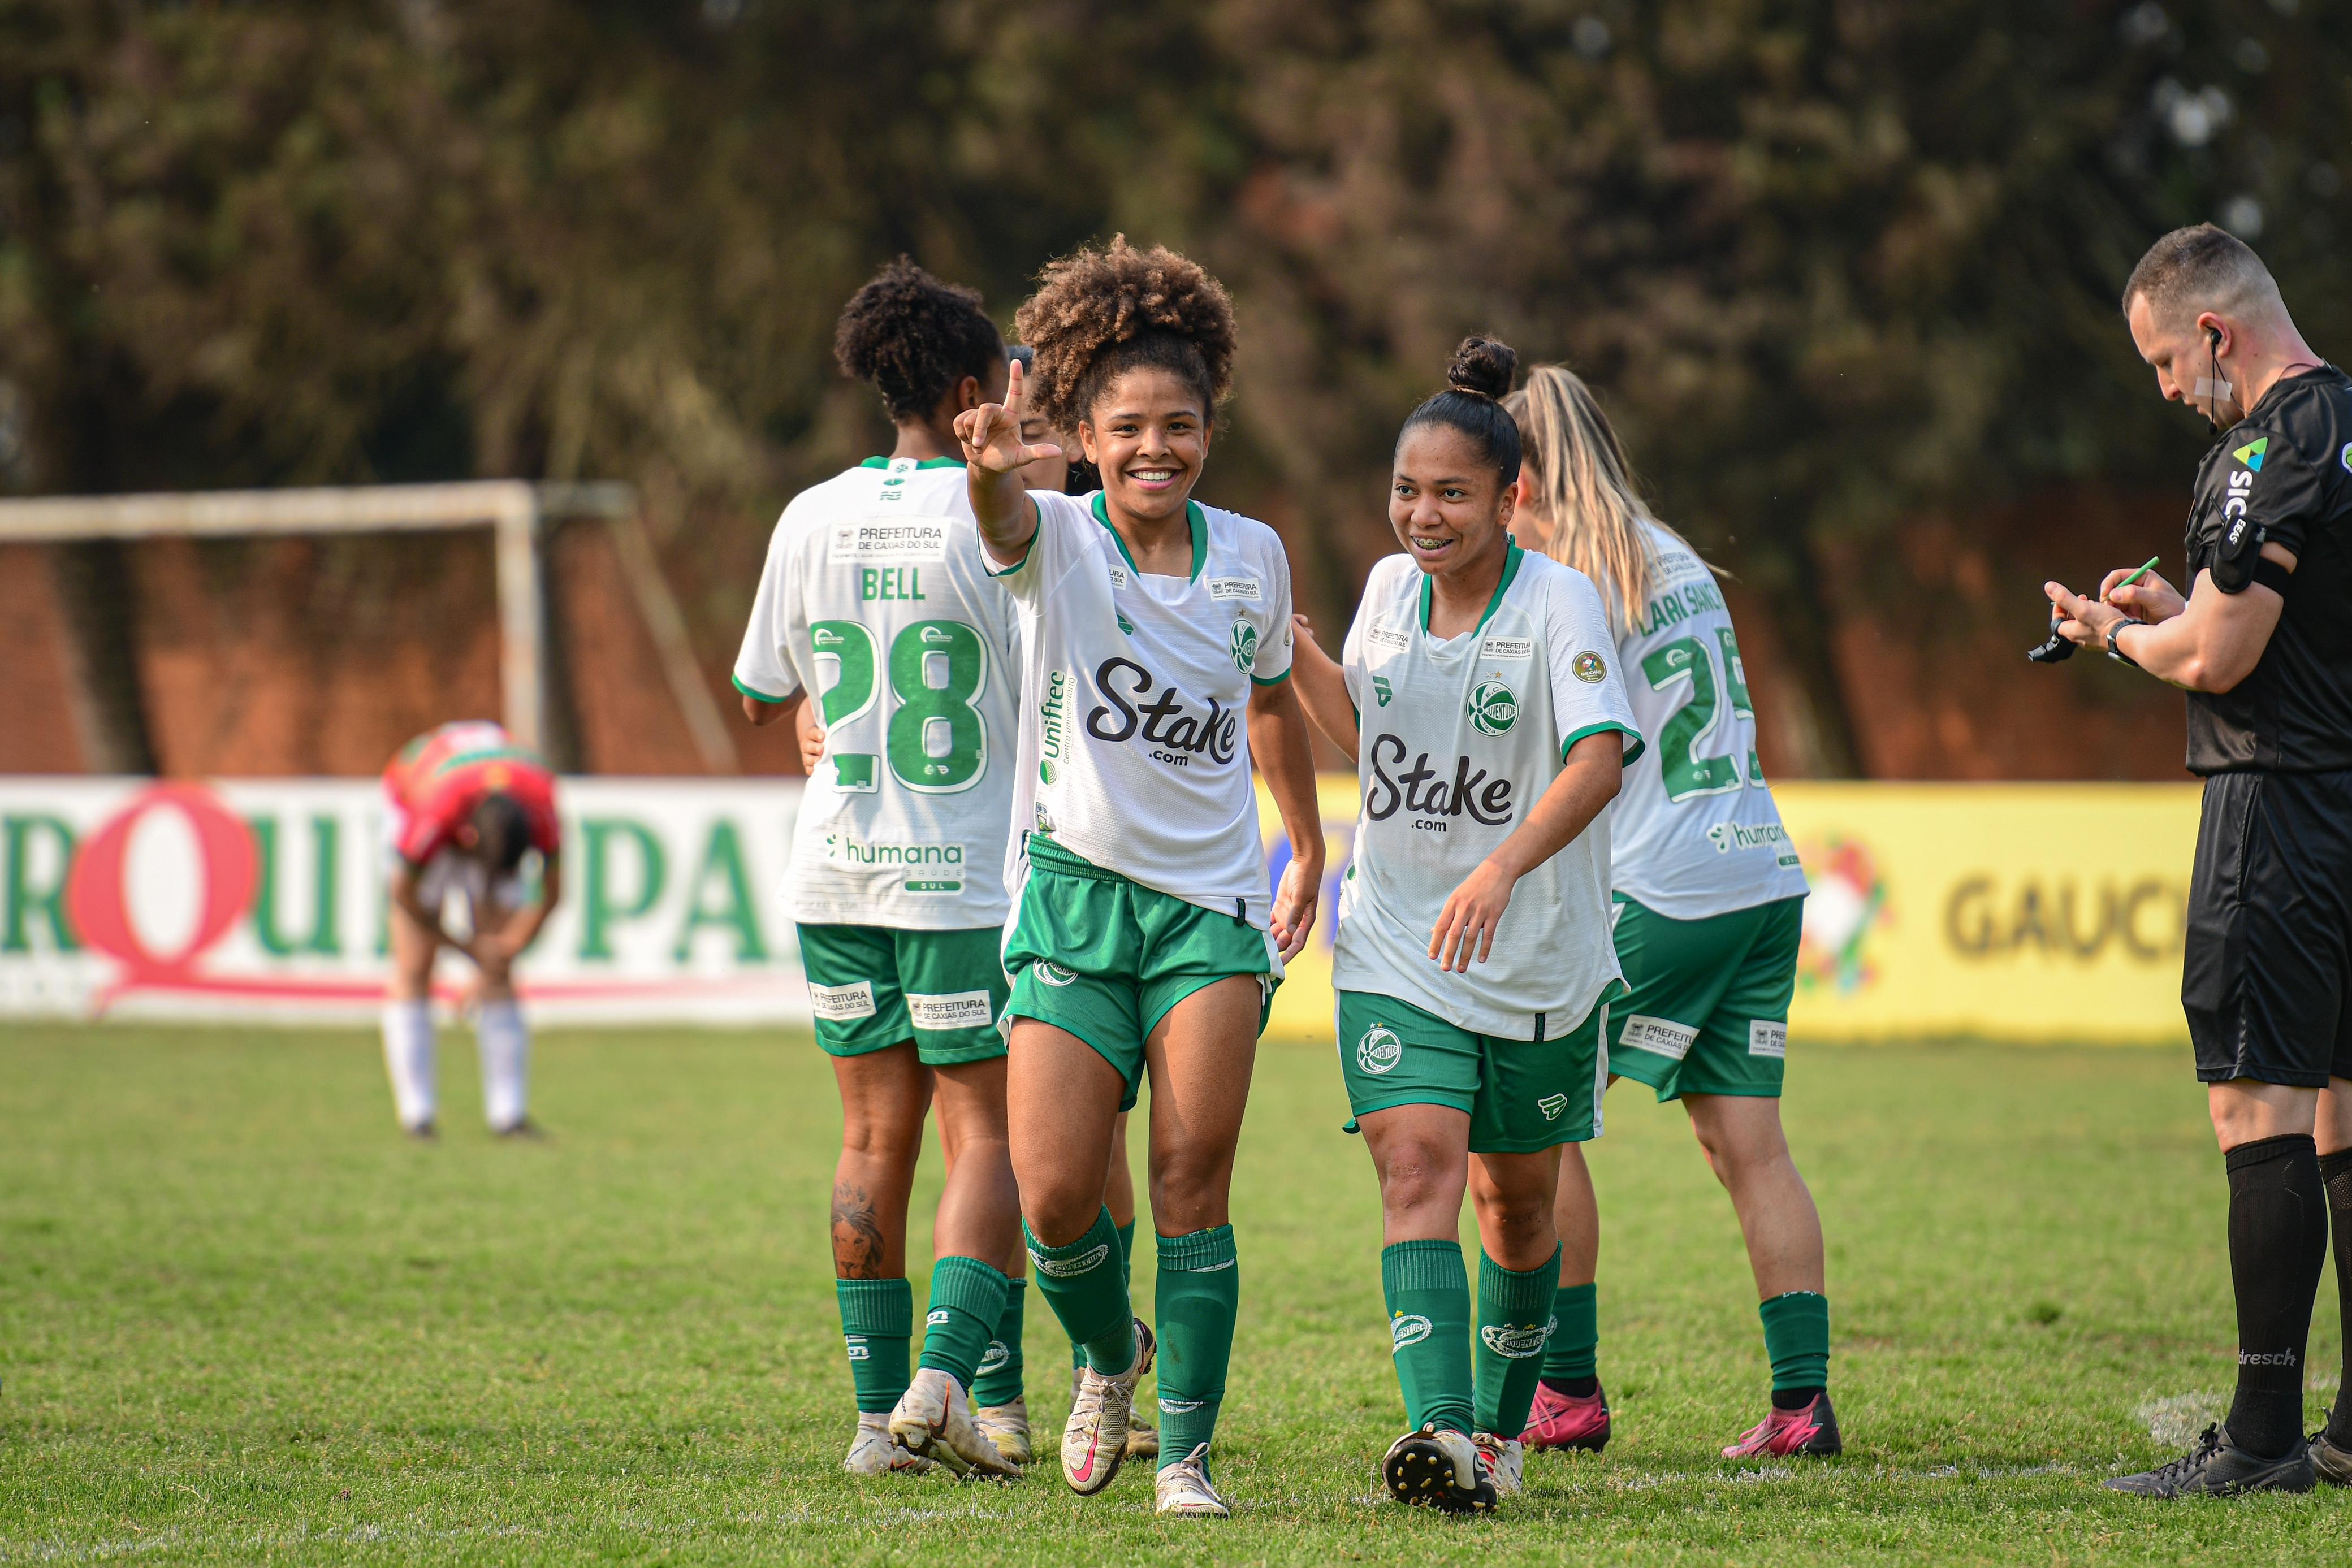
(875, 599)
(1697, 832)
(1458, 739)
(1134, 738)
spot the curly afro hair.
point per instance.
(1102, 313)
(915, 338)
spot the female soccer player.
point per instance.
(463, 806)
(875, 599)
(1480, 698)
(1058, 475)
(1143, 938)
(1709, 905)
(1000, 1408)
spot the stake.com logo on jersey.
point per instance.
(1165, 722)
(1486, 801)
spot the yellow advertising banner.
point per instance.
(2033, 912)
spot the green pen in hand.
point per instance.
(2054, 648)
(2134, 577)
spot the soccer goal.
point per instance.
(520, 516)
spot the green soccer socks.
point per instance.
(878, 1319)
(1126, 1277)
(1200, 1292)
(1086, 1285)
(1428, 1294)
(1514, 1320)
(966, 1298)
(1797, 1342)
(998, 1381)
(1571, 1356)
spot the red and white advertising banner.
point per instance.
(266, 898)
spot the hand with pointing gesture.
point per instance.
(991, 433)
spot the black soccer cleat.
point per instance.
(2331, 1462)
(2217, 1467)
(1439, 1469)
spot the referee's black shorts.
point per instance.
(2267, 977)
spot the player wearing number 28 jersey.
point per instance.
(874, 605)
(1710, 901)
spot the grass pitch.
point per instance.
(242, 1321)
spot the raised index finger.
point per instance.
(1012, 393)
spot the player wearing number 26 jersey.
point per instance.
(1709, 901)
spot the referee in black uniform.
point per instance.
(2263, 644)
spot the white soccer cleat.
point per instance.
(1438, 1467)
(1185, 1491)
(934, 1419)
(873, 1452)
(1505, 1460)
(1007, 1427)
(1094, 1442)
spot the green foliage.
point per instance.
(243, 1320)
(1833, 262)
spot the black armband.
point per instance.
(2241, 548)
(2271, 575)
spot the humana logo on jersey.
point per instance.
(1424, 793)
(1166, 723)
(932, 868)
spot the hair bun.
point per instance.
(1481, 367)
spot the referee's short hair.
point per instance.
(2205, 267)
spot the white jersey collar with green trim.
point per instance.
(1502, 586)
(1192, 515)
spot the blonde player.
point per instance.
(1156, 636)
(1709, 906)
(1481, 698)
(874, 603)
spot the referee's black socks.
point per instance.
(2336, 1170)
(2278, 1244)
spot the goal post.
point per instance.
(520, 514)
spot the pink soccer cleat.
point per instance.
(1812, 1429)
(1562, 1421)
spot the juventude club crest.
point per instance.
(1516, 1341)
(1244, 646)
(1379, 1050)
(1494, 708)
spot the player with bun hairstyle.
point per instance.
(1479, 695)
(874, 603)
(1156, 634)
(1709, 909)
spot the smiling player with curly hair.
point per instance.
(1156, 663)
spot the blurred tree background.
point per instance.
(1844, 271)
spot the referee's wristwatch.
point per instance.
(2114, 649)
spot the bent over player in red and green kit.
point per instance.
(463, 806)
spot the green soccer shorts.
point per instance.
(873, 987)
(1521, 1094)
(1707, 1009)
(1106, 958)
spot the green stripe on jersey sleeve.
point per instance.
(1633, 753)
(756, 695)
(1269, 680)
(1037, 526)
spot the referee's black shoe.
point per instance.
(2217, 1467)
(2332, 1462)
